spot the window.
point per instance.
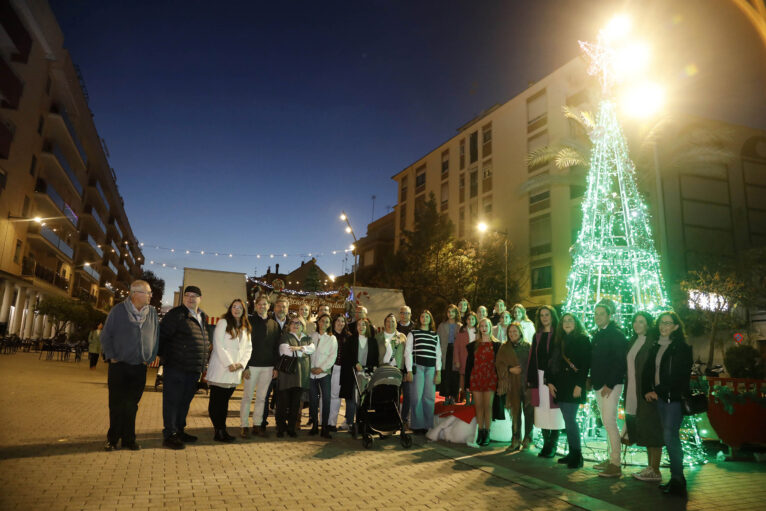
(537, 111)
(487, 205)
(420, 179)
(403, 189)
(17, 252)
(445, 164)
(461, 188)
(420, 206)
(32, 166)
(539, 201)
(474, 146)
(474, 183)
(539, 235)
(486, 177)
(473, 213)
(445, 196)
(536, 142)
(541, 278)
(462, 154)
(578, 98)
(25, 207)
(402, 217)
(40, 125)
(486, 140)
(461, 223)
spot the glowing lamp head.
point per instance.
(348, 230)
(332, 277)
(38, 220)
(644, 100)
(342, 216)
(482, 227)
(617, 28)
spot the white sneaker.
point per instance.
(648, 474)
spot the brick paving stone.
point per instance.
(54, 420)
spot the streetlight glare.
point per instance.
(644, 100)
(631, 59)
(351, 247)
(618, 27)
(38, 219)
(482, 227)
(342, 216)
(332, 277)
(348, 230)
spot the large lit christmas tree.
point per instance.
(614, 256)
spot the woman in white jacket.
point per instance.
(322, 361)
(231, 351)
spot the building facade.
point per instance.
(63, 226)
(481, 175)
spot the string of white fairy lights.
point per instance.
(256, 255)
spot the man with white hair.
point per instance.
(129, 341)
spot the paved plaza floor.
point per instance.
(54, 417)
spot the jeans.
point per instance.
(406, 397)
(178, 389)
(670, 418)
(270, 391)
(423, 397)
(218, 405)
(126, 384)
(316, 387)
(608, 408)
(569, 411)
(258, 383)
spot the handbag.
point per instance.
(694, 403)
(288, 364)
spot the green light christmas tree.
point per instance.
(614, 256)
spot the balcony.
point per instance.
(47, 190)
(113, 223)
(88, 241)
(111, 267)
(93, 213)
(53, 151)
(88, 268)
(31, 268)
(59, 114)
(85, 296)
(52, 238)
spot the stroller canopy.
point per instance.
(386, 375)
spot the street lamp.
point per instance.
(352, 247)
(482, 228)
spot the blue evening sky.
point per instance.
(247, 126)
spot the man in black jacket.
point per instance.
(183, 350)
(260, 369)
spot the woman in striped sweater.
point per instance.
(423, 362)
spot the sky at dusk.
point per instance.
(246, 127)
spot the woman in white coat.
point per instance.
(231, 351)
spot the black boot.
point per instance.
(565, 459)
(222, 436)
(480, 437)
(553, 442)
(314, 430)
(676, 487)
(546, 450)
(575, 459)
(486, 437)
(326, 433)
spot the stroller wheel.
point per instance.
(406, 441)
(367, 442)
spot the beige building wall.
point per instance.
(63, 227)
(709, 209)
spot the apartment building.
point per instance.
(481, 175)
(63, 226)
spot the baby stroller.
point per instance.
(378, 410)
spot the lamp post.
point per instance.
(352, 247)
(482, 227)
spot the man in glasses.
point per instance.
(183, 349)
(128, 350)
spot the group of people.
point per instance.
(539, 370)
